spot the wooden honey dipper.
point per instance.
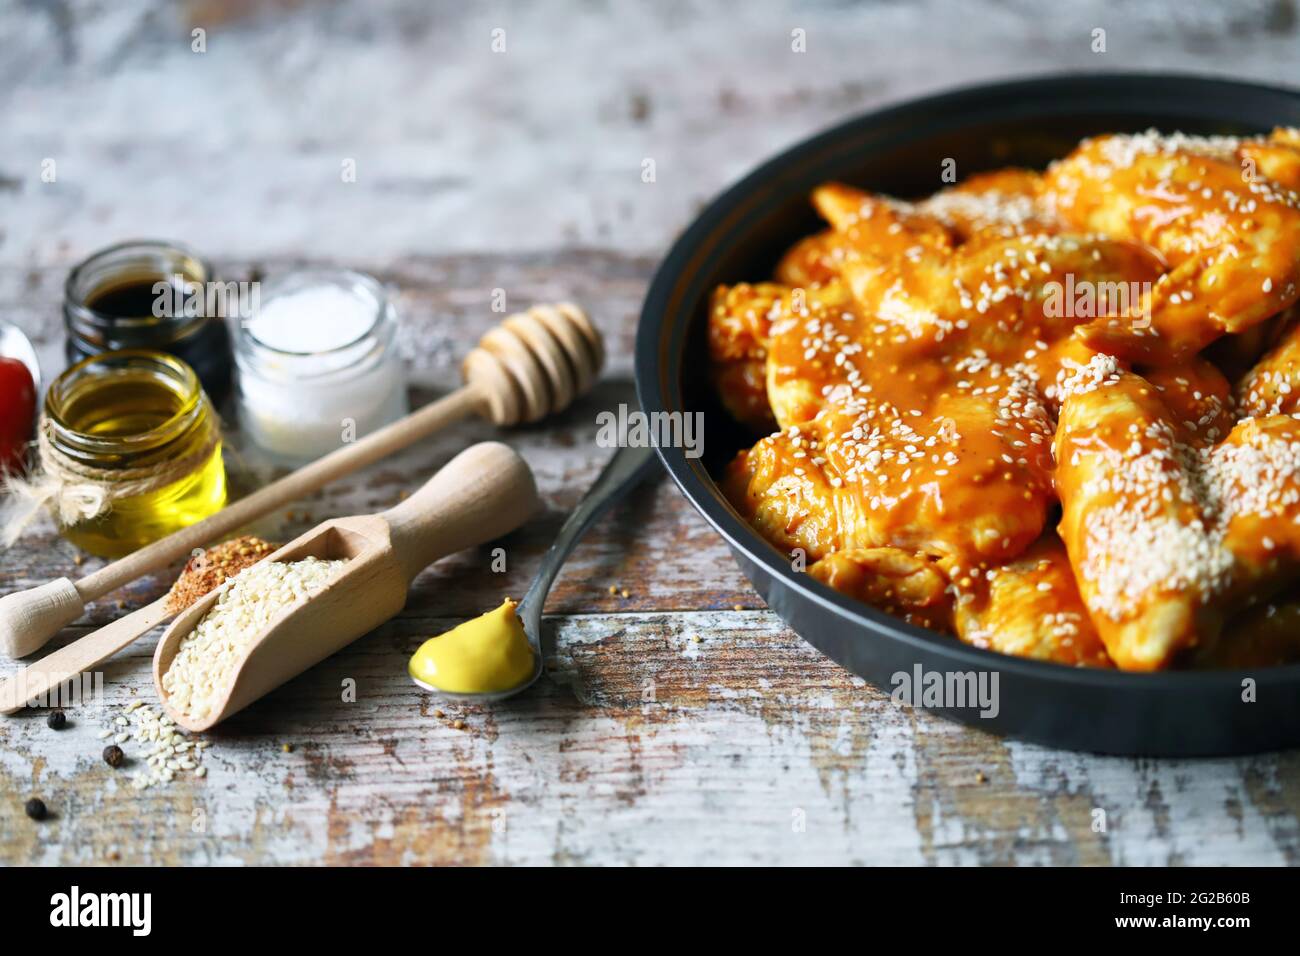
(533, 364)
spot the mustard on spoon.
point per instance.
(499, 654)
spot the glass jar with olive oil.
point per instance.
(129, 420)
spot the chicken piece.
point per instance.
(883, 231)
(915, 307)
(1253, 481)
(902, 583)
(1272, 387)
(878, 226)
(1167, 533)
(740, 317)
(965, 321)
(1005, 297)
(757, 389)
(1029, 607)
(1233, 244)
(1195, 393)
(813, 261)
(811, 353)
(1255, 476)
(957, 474)
(997, 205)
(1061, 362)
(1131, 519)
(793, 503)
(862, 223)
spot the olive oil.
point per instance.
(125, 415)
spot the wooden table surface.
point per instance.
(684, 723)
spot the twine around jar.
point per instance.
(73, 491)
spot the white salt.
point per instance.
(314, 319)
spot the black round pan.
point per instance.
(899, 150)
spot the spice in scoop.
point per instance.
(208, 570)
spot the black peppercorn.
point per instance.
(113, 755)
(36, 808)
(57, 720)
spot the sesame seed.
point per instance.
(210, 655)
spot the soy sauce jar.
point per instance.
(151, 295)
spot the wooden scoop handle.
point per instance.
(483, 493)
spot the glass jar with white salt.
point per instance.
(317, 364)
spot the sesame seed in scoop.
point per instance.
(208, 658)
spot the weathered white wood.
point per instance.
(643, 746)
(522, 172)
(458, 148)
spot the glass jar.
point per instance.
(112, 299)
(122, 416)
(318, 366)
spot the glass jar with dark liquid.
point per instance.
(148, 295)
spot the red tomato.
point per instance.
(17, 409)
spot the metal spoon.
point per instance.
(627, 469)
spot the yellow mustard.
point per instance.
(486, 655)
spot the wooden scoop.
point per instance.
(481, 494)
